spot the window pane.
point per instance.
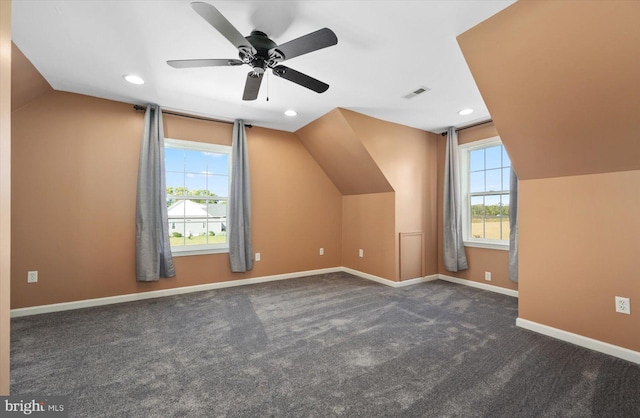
(488, 173)
(195, 161)
(505, 228)
(195, 182)
(176, 232)
(506, 161)
(173, 159)
(476, 160)
(476, 182)
(504, 201)
(492, 218)
(506, 179)
(477, 227)
(505, 216)
(477, 217)
(195, 228)
(170, 201)
(477, 205)
(493, 157)
(217, 222)
(217, 163)
(175, 209)
(175, 212)
(174, 183)
(494, 180)
(201, 172)
(218, 185)
(492, 205)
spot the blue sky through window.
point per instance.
(489, 169)
(197, 170)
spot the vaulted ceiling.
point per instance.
(385, 50)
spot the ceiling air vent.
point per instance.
(417, 92)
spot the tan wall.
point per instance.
(560, 79)
(341, 154)
(578, 250)
(368, 225)
(565, 100)
(480, 260)
(26, 82)
(74, 174)
(5, 193)
(408, 159)
(365, 156)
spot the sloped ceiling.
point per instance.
(336, 147)
(386, 49)
(26, 82)
(561, 80)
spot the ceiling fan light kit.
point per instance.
(261, 53)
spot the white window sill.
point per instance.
(184, 253)
(490, 245)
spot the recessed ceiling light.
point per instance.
(465, 112)
(133, 79)
(291, 112)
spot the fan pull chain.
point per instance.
(267, 75)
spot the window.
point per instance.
(485, 171)
(197, 179)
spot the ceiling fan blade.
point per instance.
(252, 86)
(204, 63)
(308, 43)
(222, 25)
(301, 79)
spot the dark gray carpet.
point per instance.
(329, 345)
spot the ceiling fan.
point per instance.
(260, 53)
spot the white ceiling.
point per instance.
(385, 50)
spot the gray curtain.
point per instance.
(513, 226)
(240, 249)
(153, 250)
(454, 256)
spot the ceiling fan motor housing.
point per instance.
(261, 42)
(260, 52)
(265, 54)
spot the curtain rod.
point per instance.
(470, 126)
(184, 115)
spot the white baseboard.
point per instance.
(388, 282)
(368, 276)
(87, 303)
(580, 340)
(417, 280)
(57, 307)
(478, 285)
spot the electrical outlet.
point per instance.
(32, 277)
(360, 252)
(623, 305)
(257, 256)
(487, 276)
(321, 251)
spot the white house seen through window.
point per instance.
(485, 179)
(197, 181)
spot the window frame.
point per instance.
(465, 173)
(188, 250)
